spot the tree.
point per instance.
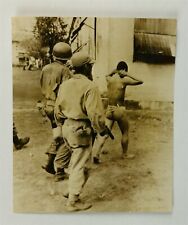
(32, 46)
(49, 31)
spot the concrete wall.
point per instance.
(101, 66)
(158, 82)
(114, 43)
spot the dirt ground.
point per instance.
(143, 184)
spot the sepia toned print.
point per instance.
(93, 103)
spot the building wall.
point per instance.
(16, 50)
(158, 82)
(114, 43)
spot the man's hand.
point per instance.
(40, 107)
(112, 73)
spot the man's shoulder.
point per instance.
(86, 81)
(55, 66)
(47, 67)
(81, 80)
(92, 86)
(116, 77)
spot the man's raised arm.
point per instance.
(129, 80)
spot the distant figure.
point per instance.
(46, 59)
(37, 61)
(26, 63)
(40, 63)
(117, 81)
(31, 63)
(19, 143)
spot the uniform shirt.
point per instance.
(79, 99)
(52, 76)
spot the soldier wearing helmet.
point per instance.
(79, 108)
(52, 76)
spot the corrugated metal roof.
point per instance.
(154, 44)
(155, 26)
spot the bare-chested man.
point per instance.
(117, 81)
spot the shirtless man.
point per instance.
(117, 81)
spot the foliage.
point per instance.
(49, 31)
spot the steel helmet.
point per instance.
(80, 58)
(62, 51)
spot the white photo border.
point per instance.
(105, 8)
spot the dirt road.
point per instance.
(143, 184)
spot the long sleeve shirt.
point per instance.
(52, 76)
(78, 98)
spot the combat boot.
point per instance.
(96, 160)
(60, 175)
(66, 195)
(75, 204)
(51, 152)
(49, 167)
(20, 142)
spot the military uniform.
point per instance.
(19, 143)
(52, 76)
(79, 107)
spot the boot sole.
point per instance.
(76, 209)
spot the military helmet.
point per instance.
(62, 51)
(79, 59)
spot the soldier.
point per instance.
(80, 110)
(19, 143)
(117, 81)
(52, 76)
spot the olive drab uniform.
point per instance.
(80, 110)
(52, 76)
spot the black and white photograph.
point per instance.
(93, 110)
